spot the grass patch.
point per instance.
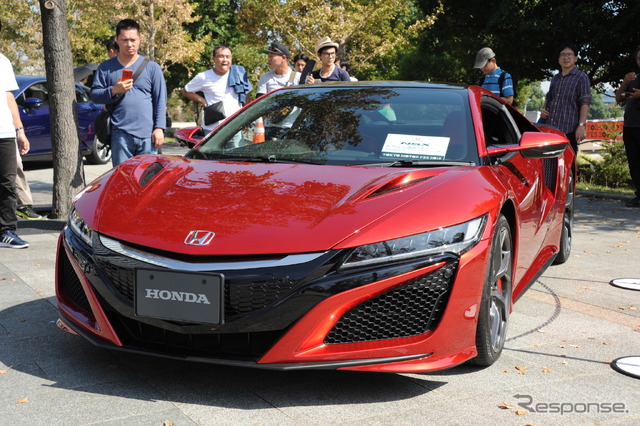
(584, 186)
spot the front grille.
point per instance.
(71, 286)
(242, 346)
(241, 297)
(408, 310)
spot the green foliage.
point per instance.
(611, 171)
(530, 96)
(370, 33)
(21, 36)
(525, 34)
(599, 110)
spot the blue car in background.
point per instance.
(32, 98)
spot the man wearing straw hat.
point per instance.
(327, 51)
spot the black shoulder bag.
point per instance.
(102, 123)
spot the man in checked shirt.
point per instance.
(567, 102)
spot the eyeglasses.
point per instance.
(566, 55)
(328, 53)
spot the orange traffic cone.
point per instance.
(258, 131)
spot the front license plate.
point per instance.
(179, 296)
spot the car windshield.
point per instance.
(349, 125)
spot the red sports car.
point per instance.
(378, 226)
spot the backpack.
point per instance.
(501, 83)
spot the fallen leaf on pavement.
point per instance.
(606, 343)
(167, 423)
(521, 412)
(546, 370)
(506, 406)
(23, 401)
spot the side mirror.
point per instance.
(33, 103)
(542, 145)
(534, 145)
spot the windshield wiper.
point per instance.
(420, 163)
(263, 159)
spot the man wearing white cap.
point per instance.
(496, 80)
(327, 51)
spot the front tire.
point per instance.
(495, 305)
(100, 153)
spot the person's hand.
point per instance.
(633, 94)
(121, 86)
(581, 132)
(544, 113)
(310, 79)
(157, 137)
(23, 142)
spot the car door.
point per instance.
(87, 112)
(526, 180)
(35, 120)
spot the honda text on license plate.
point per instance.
(179, 296)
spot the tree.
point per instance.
(216, 23)
(368, 31)
(21, 36)
(530, 96)
(525, 34)
(598, 110)
(68, 176)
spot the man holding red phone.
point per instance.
(134, 89)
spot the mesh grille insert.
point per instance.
(408, 310)
(71, 286)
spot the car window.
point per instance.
(350, 126)
(498, 125)
(36, 90)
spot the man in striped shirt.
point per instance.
(496, 80)
(569, 97)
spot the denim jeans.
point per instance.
(8, 167)
(125, 146)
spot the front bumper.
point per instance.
(413, 316)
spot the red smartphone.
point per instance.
(127, 75)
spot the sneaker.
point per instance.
(11, 240)
(26, 212)
(633, 203)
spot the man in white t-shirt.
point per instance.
(10, 130)
(281, 73)
(216, 87)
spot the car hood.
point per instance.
(157, 201)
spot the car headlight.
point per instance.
(455, 239)
(79, 227)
